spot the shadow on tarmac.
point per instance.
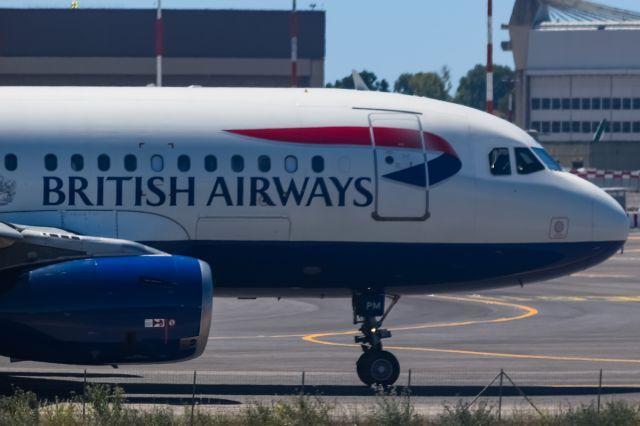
(49, 385)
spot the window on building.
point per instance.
(317, 164)
(546, 103)
(555, 103)
(616, 126)
(566, 103)
(535, 103)
(575, 126)
(636, 103)
(596, 103)
(291, 164)
(546, 127)
(626, 127)
(210, 163)
(616, 103)
(130, 163)
(555, 127)
(575, 103)
(535, 125)
(237, 163)
(264, 164)
(636, 127)
(606, 103)
(50, 162)
(499, 162)
(594, 126)
(77, 162)
(104, 162)
(566, 127)
(10, 162)
(586, 127)
(527, 162)
(184, 163)
(586, 103)
(626, 103)
(157, 163)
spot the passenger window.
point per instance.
(210, 163)
(184, 163)
(526, 162)
(291, 164)
(130, 163)
(499, 162)
(317, 164)
(157, 163)
(10, 162)
(237, 163)
(50, 162)
(264, 163)
(104, 162)
(77, 162)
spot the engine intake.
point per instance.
(118, 310)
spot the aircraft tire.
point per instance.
(377, 367)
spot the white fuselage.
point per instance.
(271, 172)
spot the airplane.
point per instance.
(121, 207)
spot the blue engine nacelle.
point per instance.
(142, 309)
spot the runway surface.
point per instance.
(558, 334)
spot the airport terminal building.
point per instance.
(577, 64)
(116, 47)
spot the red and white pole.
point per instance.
(490, 57)
(294, 45)
(159, 44)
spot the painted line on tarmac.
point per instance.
(596, 275)
(529, 312)
(595, 386)
(634, 299)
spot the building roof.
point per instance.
(130, 33)
(577, 12)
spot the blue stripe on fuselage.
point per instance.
(413, 268)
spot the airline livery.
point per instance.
(121, 207)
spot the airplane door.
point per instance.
(400, 163)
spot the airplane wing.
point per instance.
(30, 246)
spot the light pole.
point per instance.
(294, 45)
(490, 57)
(159, 44)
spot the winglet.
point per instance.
(358, 82)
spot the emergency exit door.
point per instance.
(400, 163)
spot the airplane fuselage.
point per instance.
(301, 192)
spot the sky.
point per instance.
(387, 37)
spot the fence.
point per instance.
(184, 386)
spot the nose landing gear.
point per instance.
(375, 366)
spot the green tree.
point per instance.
(428, 84)
(473, 87)
(370, 79)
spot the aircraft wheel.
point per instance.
(377, 367)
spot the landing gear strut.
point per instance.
(376, 366)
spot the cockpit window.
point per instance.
(526, 162)
(499, 162)
(547, 159)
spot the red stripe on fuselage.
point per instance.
(387, 137)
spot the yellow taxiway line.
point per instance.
(528, 312)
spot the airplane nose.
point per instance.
(610, 221)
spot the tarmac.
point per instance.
(552, 339)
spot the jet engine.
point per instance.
(112, 310)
